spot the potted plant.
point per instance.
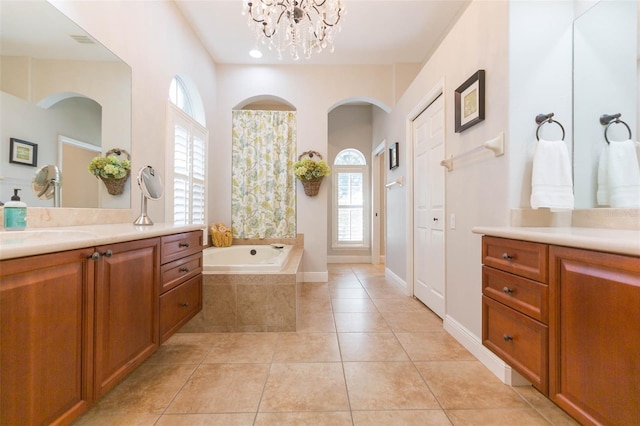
(311, 172)
(112, 171)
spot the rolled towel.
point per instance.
(624, 174)
(602, 194)
(551, 181)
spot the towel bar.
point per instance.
(399, 181)
(496, 145)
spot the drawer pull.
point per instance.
(183, 245)
(185, 304)
(183, 269)
(507, 338)
(94, 256)
(507, 290)
(107, 253)
(507, 256)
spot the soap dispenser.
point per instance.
(15, 213)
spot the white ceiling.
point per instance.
(373, 31)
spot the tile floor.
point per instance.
(364, 354)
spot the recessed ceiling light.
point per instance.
(255, 53)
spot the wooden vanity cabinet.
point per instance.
(595, 335)
(181, 281)
(127, 277)
(515, 306)
(46, 337)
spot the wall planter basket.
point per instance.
(99, 167)
(311, 172)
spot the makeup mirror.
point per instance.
(150, 183)
(47, 182)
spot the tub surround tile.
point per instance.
(271, 306)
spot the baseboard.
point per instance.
(348, 259)
(391, 275)
(316, 277)
(474, 345)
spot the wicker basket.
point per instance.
(115, 186)
(311, 187)
(220, 238)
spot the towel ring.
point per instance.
(616, 121)
(541, 119)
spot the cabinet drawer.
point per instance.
(180, 245)
(527, 296)
(179, 305)
(522, 258)
(519, 340)
(178, 271)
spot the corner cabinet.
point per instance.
(568, 320)
(73, 324)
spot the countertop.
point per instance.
(49, 240)
(622, 241)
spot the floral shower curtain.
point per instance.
(263, 199)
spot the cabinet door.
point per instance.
(594, 325)
(46, 334)
(126, 309)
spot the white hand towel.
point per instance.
(551, 182)
(602, 194)
(624, 174)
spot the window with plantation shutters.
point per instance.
(186, 170)
(350, 185)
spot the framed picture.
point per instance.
(23, 152)
(469, 99)
(393, 156)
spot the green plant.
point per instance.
(307, 169)
(109, 167)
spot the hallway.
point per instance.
(364, 354)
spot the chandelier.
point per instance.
(300, 26)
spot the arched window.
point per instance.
(351, 198)
(186, 167)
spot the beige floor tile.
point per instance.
(371, 347)
(401, 417)
(242, 348)
(353, 305)
(400, 304)
(221, 388)
(332, 418)
(348, 293)
(149, 389)
(544, 406)
(344, 283)
(386, 386)
(308, 304)
(376, 281)
(94, 418)
(467, 384)
(363, 322)
(413, 321)
(307, 347)
(226, 419)
(385, 292)
(313, 290)
(305, 387)
(183, 348)
(435, 346)
(316, 322)
(497, 416)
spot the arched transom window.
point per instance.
(350, 185)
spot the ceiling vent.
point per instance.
(83, 39)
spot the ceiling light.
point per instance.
(255, 53)
(299, 26)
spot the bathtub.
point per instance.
(246, 258)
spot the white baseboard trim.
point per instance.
(348, 259)
(316, 277)
(474, 345)
(391, 275)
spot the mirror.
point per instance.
(47, 182)
(58, 84)
(605, 81)
(150, 183)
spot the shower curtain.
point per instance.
(263, 200)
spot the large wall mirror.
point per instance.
(606, 52)
(65, 95)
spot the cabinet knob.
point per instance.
(185, 304)
(507, 338)
(107, 253)
(507, 256)
(183, 245)
(94, 256)
(507, 290)
(183, 270)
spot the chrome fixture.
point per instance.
(301, 26)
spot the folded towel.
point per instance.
(624, 174)
(551, 182)
(602, 194)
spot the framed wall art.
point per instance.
(469, 102)
(23, 152)
(393, 156)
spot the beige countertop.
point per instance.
(621, 241)
(34, 241)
